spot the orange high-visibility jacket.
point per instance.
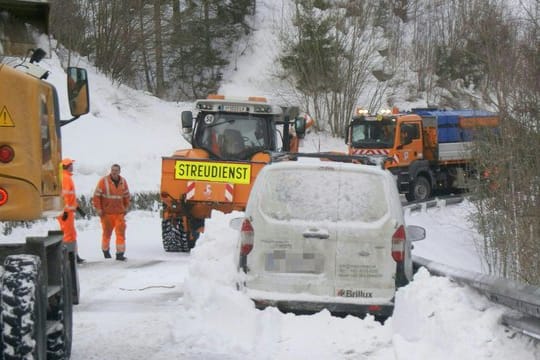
(68, 192)
(111, 199)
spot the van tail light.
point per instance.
(6, 154)
(3, 196)
(398, 244)
(246, 237)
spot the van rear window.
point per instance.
(323, 194)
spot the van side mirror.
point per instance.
(300, 126)
(78, 95)
(415, 233)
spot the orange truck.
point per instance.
(232, 139)
(426, 149)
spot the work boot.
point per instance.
(120, 256)
(106, 254)
(80, 260)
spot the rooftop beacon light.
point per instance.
(383, 113)
(361, 111)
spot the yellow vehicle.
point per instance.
(232, 139)
(38, 281)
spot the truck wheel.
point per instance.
(174, 237)
(59, 340)
(23, 318)
(420, 190)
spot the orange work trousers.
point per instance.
(116, 222)
(68, 227)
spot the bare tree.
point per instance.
(508, 202)
(143, 40)
(330, 56)
(113, 32)
(158, 46)
(68, 26)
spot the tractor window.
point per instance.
(45, 132)
(49, 169)
(233, 136)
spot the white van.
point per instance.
(325, 235)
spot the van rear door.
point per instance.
(295, 231)
(364, 269)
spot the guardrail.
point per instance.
(439, 201)
(524, 299)
(519, 297)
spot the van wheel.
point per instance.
(420, 190)
(23, 318)
(61, 312)
(401, 279)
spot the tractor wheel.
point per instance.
(61, 312)
(23, 313)
(170, 236)
(420, 190)
(174, 237)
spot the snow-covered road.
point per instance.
(161, 305)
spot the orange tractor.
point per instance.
(232, 139)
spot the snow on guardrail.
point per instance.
(519, 297)
(525, 299)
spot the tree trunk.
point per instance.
(146, 66)
(160, 78)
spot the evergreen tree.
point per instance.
(203, 36)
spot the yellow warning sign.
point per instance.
(5, 118)
(213, 171)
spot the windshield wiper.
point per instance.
(229, 121)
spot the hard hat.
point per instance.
(67, 161)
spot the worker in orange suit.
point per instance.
(111, 200)
(67, 219)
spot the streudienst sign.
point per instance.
(213, 171)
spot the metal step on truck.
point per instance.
(38, 275)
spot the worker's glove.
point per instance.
(81, 212)
(64, 216)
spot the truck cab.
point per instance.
(390, 139)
